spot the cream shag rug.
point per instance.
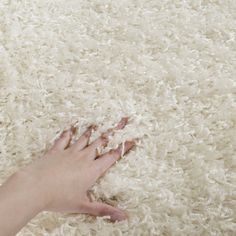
(168, 64)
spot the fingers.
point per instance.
(91, 150)
(64, 140)
(104, 162)
(102, 209)
(83, 140)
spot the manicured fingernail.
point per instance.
(73, 130)
(130, 144)
(123, 122)
(118, 216)
(105, 139)
(93, 127)
(89, 130)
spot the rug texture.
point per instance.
(168, 64)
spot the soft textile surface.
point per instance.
(169, 65)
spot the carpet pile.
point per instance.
(169, 65)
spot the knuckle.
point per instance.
(73, 152)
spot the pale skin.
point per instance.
(60, 180)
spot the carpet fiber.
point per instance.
(169, 65)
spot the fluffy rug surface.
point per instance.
(169, 65)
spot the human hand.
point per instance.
(67, 171)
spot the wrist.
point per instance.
(29, 188)
(20, 200)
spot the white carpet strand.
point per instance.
(169, 65)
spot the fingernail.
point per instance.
(130, 144)
(118, 216)
(125, 119)
(123, 122)
(89, 130)
(93, 127)
(73, 130)
(105, 139)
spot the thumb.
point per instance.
(102, 209)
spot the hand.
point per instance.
(67, 171)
